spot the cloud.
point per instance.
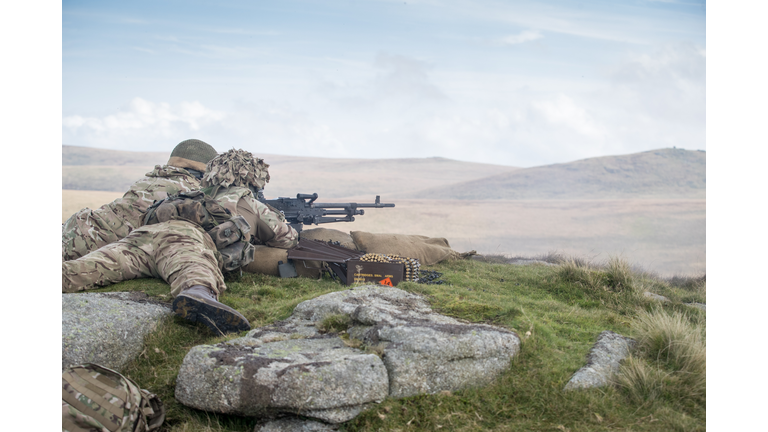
(396, 107)
(563, 111)
(671, 62)
(525, 36)
(404, 77)
(139, 118)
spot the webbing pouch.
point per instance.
(229, 232)
(237, 255)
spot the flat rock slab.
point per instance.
(317, 377)
(655, 296)
(701, 306)
(531, 262)
(106, 328)
(602, 361)
(291, 367)
(295, 425)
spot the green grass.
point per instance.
(558, 311)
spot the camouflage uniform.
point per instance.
(267, 225)
(88, 230)
(183, 254)
(176, 251)
(231, 179)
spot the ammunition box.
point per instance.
(362, 271)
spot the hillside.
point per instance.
(558, 311)
(663, 173)
(110, 170)
(79, 156)
(648, 207)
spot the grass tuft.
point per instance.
(672, 338)
(642, 381)
(335, 323)
(618, 275)
(670, 360)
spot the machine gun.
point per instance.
(304, 210)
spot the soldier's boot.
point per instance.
(198, 303)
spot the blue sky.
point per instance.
(518, 83)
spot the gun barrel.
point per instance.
(353, 205)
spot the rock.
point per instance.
(106, 328)
(602, 361)
(318, 377)
(655, 296)
(295, 425)
(424, 352)
(530, 262)
(701, 306)
(290, 367)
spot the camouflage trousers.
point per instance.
(88, 230)
(178, 252)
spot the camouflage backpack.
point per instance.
(228, 232)
(97, 399)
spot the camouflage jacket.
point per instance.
(267, 226)
(162, 181)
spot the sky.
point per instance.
(518, 83)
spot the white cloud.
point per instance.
(525, 36)
(139, 118)
(671, 62)
(395, 106)
(563, 111)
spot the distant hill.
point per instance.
(74, 155)
(663, 173)
(87, 168)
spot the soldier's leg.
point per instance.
(184, 256)
(109, 264)
(88, 230)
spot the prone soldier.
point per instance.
(175, 246)
(88, 230)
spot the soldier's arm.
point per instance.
(266, 225)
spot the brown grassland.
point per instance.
(649, 207)
(665, 236)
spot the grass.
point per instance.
(670, 360)
(557, 310)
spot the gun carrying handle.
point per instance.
(303, 197)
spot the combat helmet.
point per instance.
(236, 168)
(192, 154)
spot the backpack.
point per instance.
(227, 232)
(95, 398)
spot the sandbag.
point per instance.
(265, 260)
(327, 234)
(428, 250)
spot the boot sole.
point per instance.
(221, 319)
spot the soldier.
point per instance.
(88, 230)
(235, 179)
(181, 253)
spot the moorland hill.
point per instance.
(663, 173)
(86, 168)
